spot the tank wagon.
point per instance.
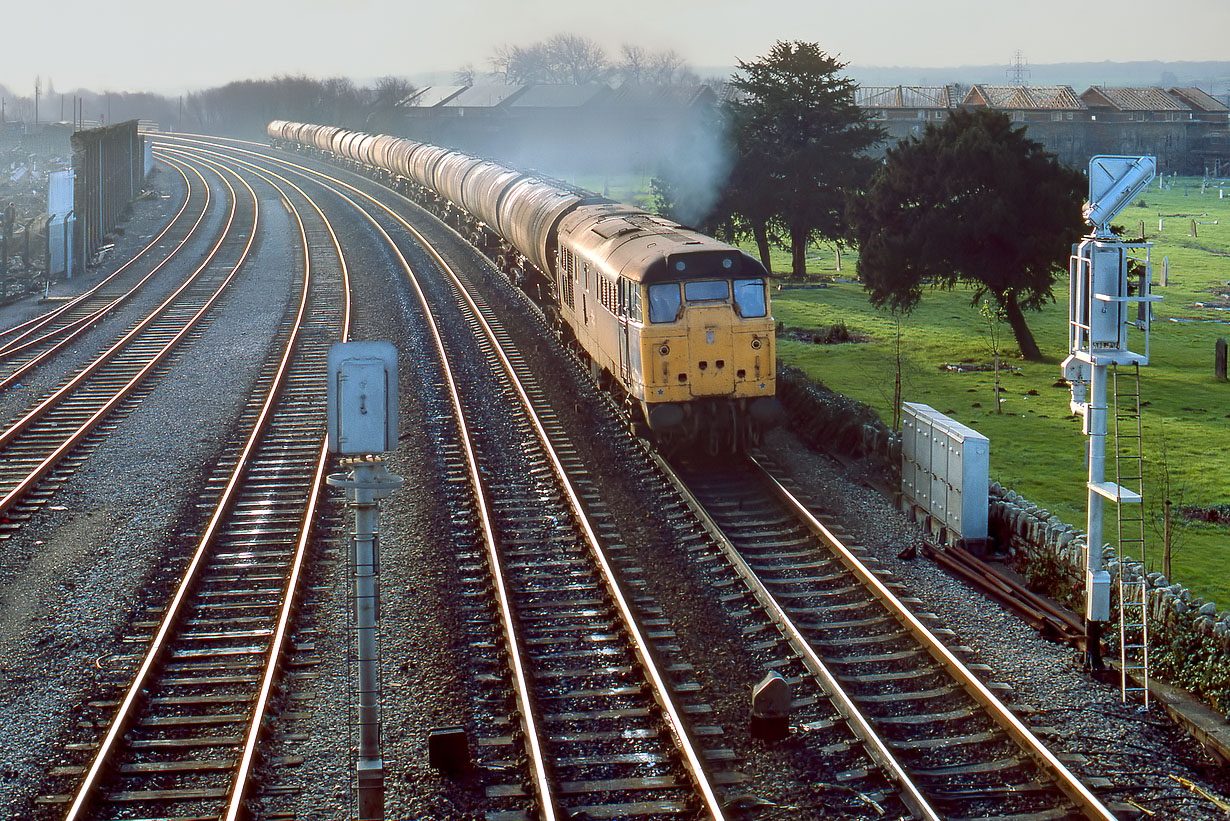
(675, 323)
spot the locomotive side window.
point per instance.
(664, 302)
(749, 297)
(706, 290)
(568, 275)
(634, 304)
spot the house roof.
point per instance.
(430, 96)
(683, 96)
(1134, 99)
(558, 96)
(905, 97)
(1025, 97)
(1199, 100)
(486, 95)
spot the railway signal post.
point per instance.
(362, 425)
(1107, 273)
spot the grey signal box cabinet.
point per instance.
(362, 412)
(945, 470)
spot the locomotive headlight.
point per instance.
(665, 349)
(755, 343)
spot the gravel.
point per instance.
(97, 554)
(103, 547)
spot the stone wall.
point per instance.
(837, 424)
(1189, 636)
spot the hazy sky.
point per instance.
(164, 46)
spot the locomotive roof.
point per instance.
(647, 248)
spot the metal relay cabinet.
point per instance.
(945, 470)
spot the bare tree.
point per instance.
(577, 60)
(1165, 503)
(389, 92)
(565, 58)
(667, 68)
(633, 66)
(523, 65)
(992, 315)
(661, 68)
(464, 76)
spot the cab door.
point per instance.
(622, 316)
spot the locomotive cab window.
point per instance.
(749, 297)
(664, 302)
(706, 290)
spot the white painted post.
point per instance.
(1097, 580)
(367, 483)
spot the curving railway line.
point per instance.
(37, 443)
(558, 602)
(186, 731)
(26, 345)
(582, 691)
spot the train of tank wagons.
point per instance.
(676, 324)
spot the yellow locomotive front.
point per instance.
(706, 346)
(679, 321)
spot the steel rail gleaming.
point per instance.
(662, 693)
(95, 413)
(247, 463)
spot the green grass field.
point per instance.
(1036, 445)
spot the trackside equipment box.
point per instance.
(945, 470)
(362, 414)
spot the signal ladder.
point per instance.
(1129, 511)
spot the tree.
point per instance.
(751, 196)
(992, 314)
(1165, 503)
(800, 133)
(522, 65)
(973, 202)
(576, 60)
(640, 67)
(634, 65)
(564, 58)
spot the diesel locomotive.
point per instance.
(675, 323)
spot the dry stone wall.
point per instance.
(1189, 636)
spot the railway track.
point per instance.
(597, 714)
(184, 736)
(597, 717)
(950, 747)
(25, 346)
(952, 759)
(43, 446)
